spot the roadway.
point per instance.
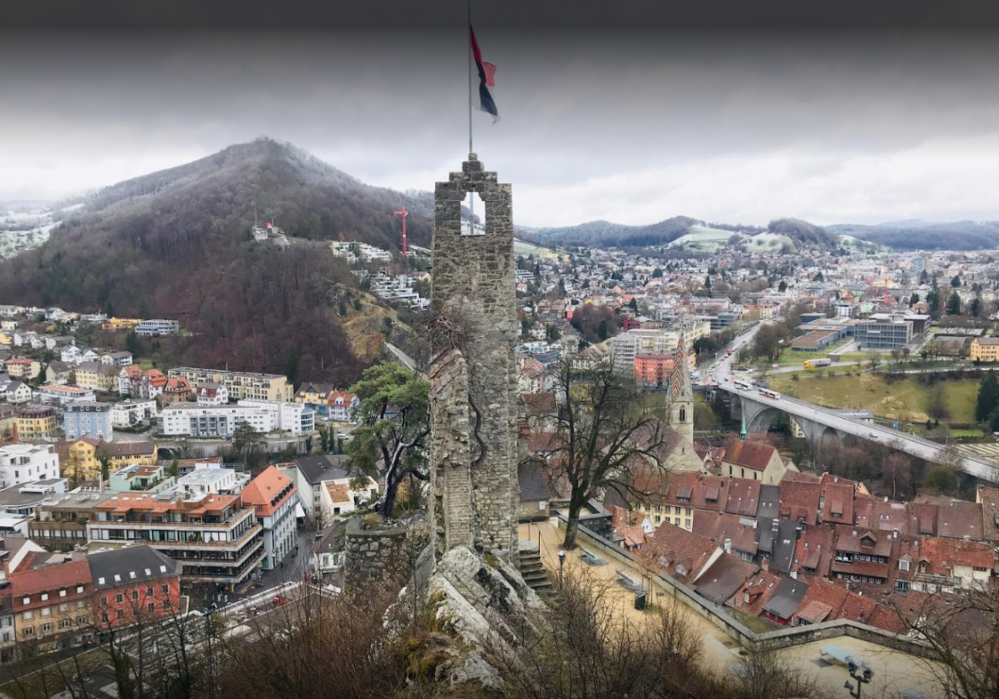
(910, 444)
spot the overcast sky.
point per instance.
(729, 121)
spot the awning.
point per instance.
(299, 510)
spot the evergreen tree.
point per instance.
(956, 281)
(976, 306)
(988, 397)
(783, 286)
(954, 304)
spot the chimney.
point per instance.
(775, 525)
(765, 564)
(728, 546)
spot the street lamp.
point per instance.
(861, 678)
(561, 565)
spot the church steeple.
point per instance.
(680, 409)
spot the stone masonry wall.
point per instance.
(375, 557)
(474, 276)
(451, 510)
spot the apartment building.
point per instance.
(78, 459)
(141, 478)
(60, 521)
(985, 349)
(23, 463)
(96, 376)
(87, 420)
(22, 368)
(240, 385)
(273, 497)
(213, 537)
(122, 454)
(157, 326)
(132, 411)
(51, 605)
(63, 395)
(36, 423)
(132, 585)
(190, 419)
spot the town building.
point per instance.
(24, 499)
(118, 359)
(87, 420)
(22, 368)
(753, 460)
(341, 406)
(122, 454)
(51, 605)
(213, 537)
(983, 349)
(156, 326)
(63, 395)
(35, 423)
(133, 381)
(315, 395)
(60, 519)
(212, 394)
(132, 411)
(18, 393)
(881, 331)
(115, 324)
(240, 384)
(133, 585)
(141, 478)
(273, 497)
(225, 481)
(96, 376)
(78, 459)
(23, 463)
(190, 419)
(325, 489)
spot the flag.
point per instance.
(486, 73)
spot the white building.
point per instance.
(212, 394)
(65, 394)
(274, 500)
(24, 463)
(132, 411)
(225, 481)
(191, 419)
(157, 326)
(117, 358)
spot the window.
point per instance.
(104, 617)
(62, 593)
(80, 604)
(149, 591)
(135, 595)
(119, 614)
(28, 616)
(166, 605)
(903, 565)
(119, 598)
(151, 606)
(165, 589)
(46, 611)
(63, 607)
(46, 628)
(28, 631)
(79, 588)
(81, 620)
(64, 623)
(26, 600)
(45, 596)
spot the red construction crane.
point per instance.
(404, 214)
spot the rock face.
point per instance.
(488, 607)
(473, 372)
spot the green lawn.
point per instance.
(906, 400)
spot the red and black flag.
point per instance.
(486, 82)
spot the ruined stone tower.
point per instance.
(474, 325)
(680, 409)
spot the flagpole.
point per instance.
(469, 39)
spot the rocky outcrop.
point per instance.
(489, 609)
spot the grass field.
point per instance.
(906, 400)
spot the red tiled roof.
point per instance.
(261, 491)
(718, 526)
(799, 500)
(754, 455)
(743, 497)
(46, 578)
(673, 547)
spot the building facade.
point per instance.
(36, 423)
(985, 349)
(213, 537)
(273, 497)
(157, 326)
(24, 463)
(87, 420)
(240, 385)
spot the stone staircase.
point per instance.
(533, 569)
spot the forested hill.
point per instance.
(607, 234)
(918, 235)
(177, 244)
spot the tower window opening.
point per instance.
(473, 215)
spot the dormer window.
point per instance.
(903, 565)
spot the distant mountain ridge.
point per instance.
(909, 234)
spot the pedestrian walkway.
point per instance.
(894, 671)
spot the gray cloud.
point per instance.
(632, 127)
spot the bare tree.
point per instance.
(600, 438)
